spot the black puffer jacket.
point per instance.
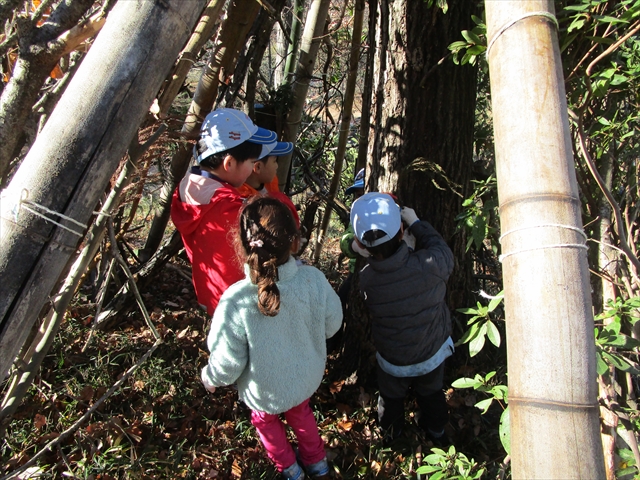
(405, 294)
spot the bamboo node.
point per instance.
(542, 247)
(506, 26)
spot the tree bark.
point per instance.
(72, 160)
(421, 146)
(550, 340)
(309, 45)
(40, 48)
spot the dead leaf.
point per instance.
(345, 425)
(236, 471)
(86, 394)
(39, 421)
(335, 387)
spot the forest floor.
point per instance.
(162, 423)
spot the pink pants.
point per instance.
(274, 437)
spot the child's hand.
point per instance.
(356, 247)
(205, 381)
(409, 239)
(408, 216)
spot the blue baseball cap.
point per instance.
(358, 184)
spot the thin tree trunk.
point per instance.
(555, 430)
(202, 33)
(309, 45)
(345, 124)
(294, 39)
(72, 160)
(365, 115)
(231, 38)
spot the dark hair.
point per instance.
(267, 231)
(386, 249)
(241, 153)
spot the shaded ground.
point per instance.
(163, 424)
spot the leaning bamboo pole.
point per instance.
(551, 348)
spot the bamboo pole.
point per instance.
(551, 349)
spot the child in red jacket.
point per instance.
(206, 204)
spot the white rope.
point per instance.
(25, 203)
(501, 30)
(556, 225)
(542, 247)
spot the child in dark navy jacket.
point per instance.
(404, 290)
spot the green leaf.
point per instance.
(484, 405)
(465, 382)
(492, 333)
(505, 431)
(469, 335)
(601, 365)
(621, 363)
(493, 304)
(437, 476)
(608, 19)
(426, 469)
(476, 345)
(471, 37)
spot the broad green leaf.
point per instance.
(492, 333)
(493, 304)
(437, 476)
(465, 382)
(471, 37)
(489, 376)
(484, 405)
(621, 363)
(505, 431)
(476, 345)
(601, 365)
(469, 334)
(427, 469)
(608, 19)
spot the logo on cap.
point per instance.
(235, 135)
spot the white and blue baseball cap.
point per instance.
(226, 128)
(276, 148)
(375, 211)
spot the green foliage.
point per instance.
(613, 347)
(481, 326)
(473, 45)
(479, 213)
(450, 465)
(496, 392)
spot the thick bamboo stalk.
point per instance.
(551, 349)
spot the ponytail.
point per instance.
(267, 231)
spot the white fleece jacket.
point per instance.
(278, 362)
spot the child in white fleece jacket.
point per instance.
(269, 334)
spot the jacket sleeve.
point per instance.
(227, 343)
(432, 249)
(333, 308)
(345, 242)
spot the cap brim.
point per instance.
(276, 149)
(262, 136)
(354, 187)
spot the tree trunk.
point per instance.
(345, 123)
(40, 48)
(421, 144)
(550, 342)
(72, 160)
(231, 38)
(294, 39)
(309, 45)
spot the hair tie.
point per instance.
(256, 243)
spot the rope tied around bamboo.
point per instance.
(572, 228)
(542, 14)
